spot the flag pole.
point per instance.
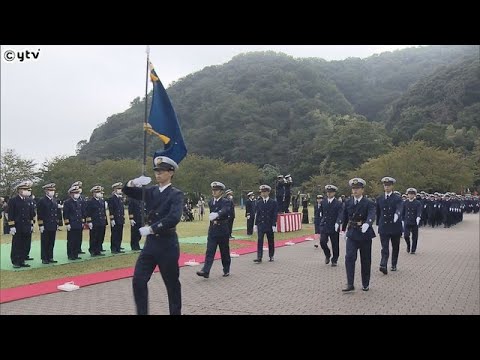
(144, 166)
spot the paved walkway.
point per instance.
(442, 278)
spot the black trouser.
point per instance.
(365, 247)
(47, 242)
(230, 226)
(385, 240)
(17, 253)
(97, 234)
(414, 230)
(335, 247)
(168, 265)
(116, 239)
(135, 237)
(271, 243)
(28, 244)
(286, 203)
(224, 246)
(250, 223)
(74, 237)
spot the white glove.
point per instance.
(274, 228)
(255, 228)
(365, 228)
(142, 180)
(248, 217)
(42, 229)
(69, 227)
(60, 206)
(90, 225)
(132, 222)
(146, 230)
(336, 227)
(212, 216)
(31, 229)
(395, 218)
(13, 230)
(418, 221)
(112, 223)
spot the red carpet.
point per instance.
(50, 286)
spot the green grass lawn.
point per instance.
(10, 279)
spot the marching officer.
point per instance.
(164, 204)
(47, 223)
(412, 215)
(331, 219)
(358, 218)
(265, 222)
(218, 231)
(74, 219)
(250, 212)
(117, 218)
(389, 212)
(96, 218)
(135, 216)
(20, 220)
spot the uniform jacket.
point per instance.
(354, 216)
(331, 214)
(386, 208)
(47, 213)
(219, 226)
(411, 210)
(250, 208)
(116, 209)
(95, 212)
(266, 214)
(73, 213)
(21, 213)
(135, 210)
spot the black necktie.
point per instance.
(356, 201)
(213, 201)
(265, 201)
(388, 196)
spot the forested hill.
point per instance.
(300, 114)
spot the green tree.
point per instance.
(14, 168)
(417, 165)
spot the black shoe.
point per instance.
(29, 258)
(120, 252)
(412, 253)
(365, 288)
(408, 249)
(45, 262)
(81, 252)
(103, 250)
(316, 246)
(99, 254)
(24, 265)
(122, 248)
(203, 273)
(15, 266)
(334, 263)
(226, 274)
(348, 288)
(271, 259)
(383, 269)
(52, 261)
(327, 260)
(257, 260)
(393, 268)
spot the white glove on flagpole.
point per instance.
(365, 228)
(274, 228)
(112, 223)
(248, 217)
(418, 220)
(132, 222)
(337, 227)
(212, 216)
(141, 180)
(255, 228)
(90, 225)
(42, 229)
(146, 230)
(395, 218)
(69, 227)
(13, 231)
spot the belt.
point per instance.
(354, 224)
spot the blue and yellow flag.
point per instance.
(163, 122)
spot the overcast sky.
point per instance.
(50, 103)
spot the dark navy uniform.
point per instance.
(358, 218)
(164, 211)
(331, 214)
(47, 217)
(287, 193)
(265, 220)
(117, 214)
(96, 216)
(73, 215)
(412, 209)
(231, 217)
(280, 192)
(135, 214)
(250, 214)
(20, 216)
(218, 235)
(389, 229)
